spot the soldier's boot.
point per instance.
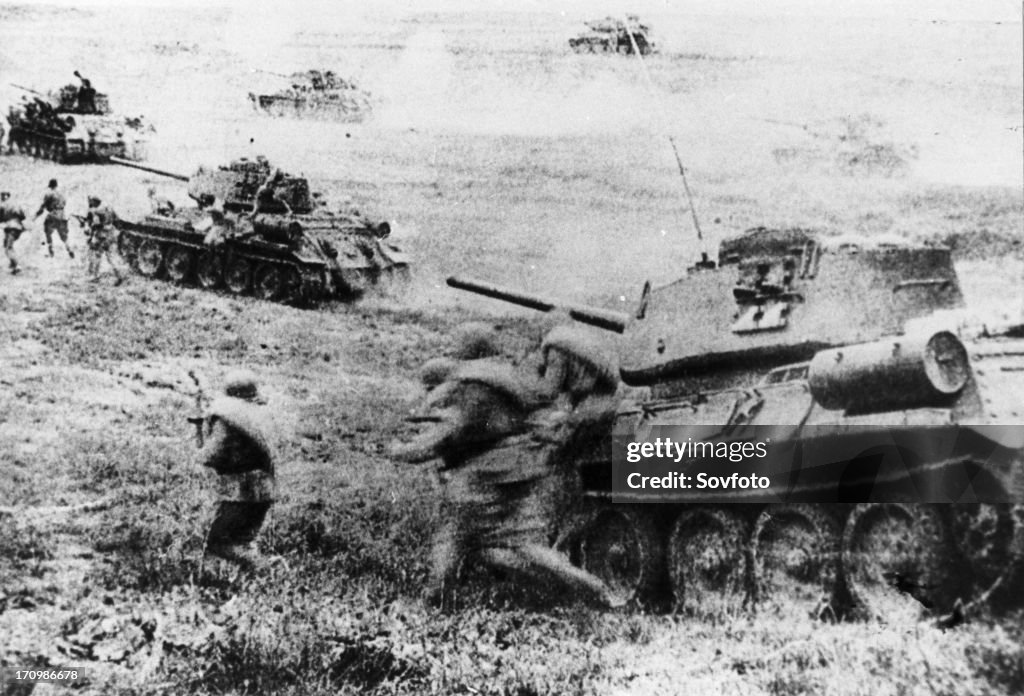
(445, 562)
(245, 556)
(531, 558)
(118, 276)
(93, 268)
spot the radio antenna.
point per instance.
(664, 123)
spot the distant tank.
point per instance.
(316, 94)
(611, 35)
(294, 249)
(74, 125)
(853, 356)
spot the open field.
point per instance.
(501, 155)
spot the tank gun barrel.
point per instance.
(143, 167)
(271, 72)
(608, 320)
(27, 89)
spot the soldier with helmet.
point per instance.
(267, 198)
(580, 379)
(236, 445)
(12, 218)
(102, 237)
(480, 428)
(56, 221)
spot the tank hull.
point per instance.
(877, 513)
(261, 259)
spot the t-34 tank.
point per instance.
(74, 125)
(316, 94)
(611, 35)
(894, 431)
(259, 231)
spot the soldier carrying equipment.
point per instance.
(56, 221)
(102, 236)
(13, 219)
(235, 444)
(495, 470)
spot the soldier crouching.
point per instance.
(237, 447)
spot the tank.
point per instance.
(897, 475)
(304, 256)
(611, 35)
(73, 125)
(316, 94)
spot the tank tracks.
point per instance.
(870, 560)
(230, 269)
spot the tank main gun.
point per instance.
(29, 90)
(609, 320)
(271, 72)
(152, 170)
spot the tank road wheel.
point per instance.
(128, 247)
(707, 562)
(180, 262)
(895, 558)
(238, 277)
(149, 260)
(276, 283)
(210, 270)
(990, 538)
(795, 552)
(621, 547)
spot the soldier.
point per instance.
(13, 219)
(158, 204)
(236, 445)
(86, 96)
(56, 221)
(216, 227)
(480, 431)
(576, 368)
(267, 199)
(102, 236)
(581, 379)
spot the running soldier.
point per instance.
(13, 219)
(481, 432)
(580, 379)
(236, 445)
(102, 237)
(56, 221)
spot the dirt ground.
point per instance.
(498, 154)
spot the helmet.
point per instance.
(475, 340)
(242, 384)
(93, 201)
(436, 371)
(53, 183)
(586, 353)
